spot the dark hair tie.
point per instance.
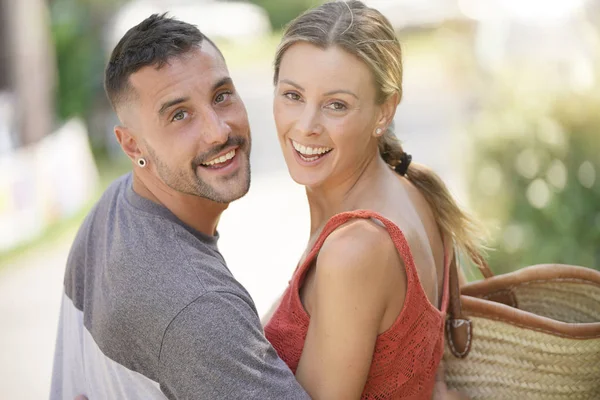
(402, 167)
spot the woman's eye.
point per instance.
(292, 96)
(179, 116)
(221, 97)
(337, 106)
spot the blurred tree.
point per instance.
(281, 12)
(4, 58)
(536, 170)
(77, 30)
(77, 57)
(31, 67)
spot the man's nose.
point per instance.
(215, 130)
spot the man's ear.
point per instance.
(128, 142)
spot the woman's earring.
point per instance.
(141, 162)
(378, 131)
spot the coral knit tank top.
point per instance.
(406, 356)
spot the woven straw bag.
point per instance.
(530, 334)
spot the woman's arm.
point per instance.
(351, 291)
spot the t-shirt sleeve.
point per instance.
(215, 349)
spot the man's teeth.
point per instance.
(310, 151)
(220, 160)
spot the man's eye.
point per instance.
(336, 106)
(292, 96)
(179, 116)
(221, 97)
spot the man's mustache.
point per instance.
(209, 155)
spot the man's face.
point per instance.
(192, 126)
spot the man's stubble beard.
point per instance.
(180, 182)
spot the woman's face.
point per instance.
(326, 114)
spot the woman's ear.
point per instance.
(386, 114)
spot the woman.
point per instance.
(363, 316)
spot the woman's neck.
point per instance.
(354, 191)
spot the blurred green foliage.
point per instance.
(535, 173)
(76, 56)
(77, 30)
(281, 12)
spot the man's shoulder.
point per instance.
(110, 195)
(101, 209)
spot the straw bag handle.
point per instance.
(458, 327)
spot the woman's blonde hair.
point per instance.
(365, 33)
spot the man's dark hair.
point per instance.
(152, 42)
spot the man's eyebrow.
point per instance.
(222, 82)
(168, 104)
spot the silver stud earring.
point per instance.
(378, 131)
(141, 162)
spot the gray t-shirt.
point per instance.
(150, 310)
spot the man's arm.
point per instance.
(215, 349)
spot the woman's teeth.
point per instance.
(220, 160)
(310, 153)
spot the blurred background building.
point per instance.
(501, 98)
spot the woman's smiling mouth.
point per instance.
(310, 154)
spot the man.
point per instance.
(150, 309)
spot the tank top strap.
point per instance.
(396, 234)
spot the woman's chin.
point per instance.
(304, 178)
